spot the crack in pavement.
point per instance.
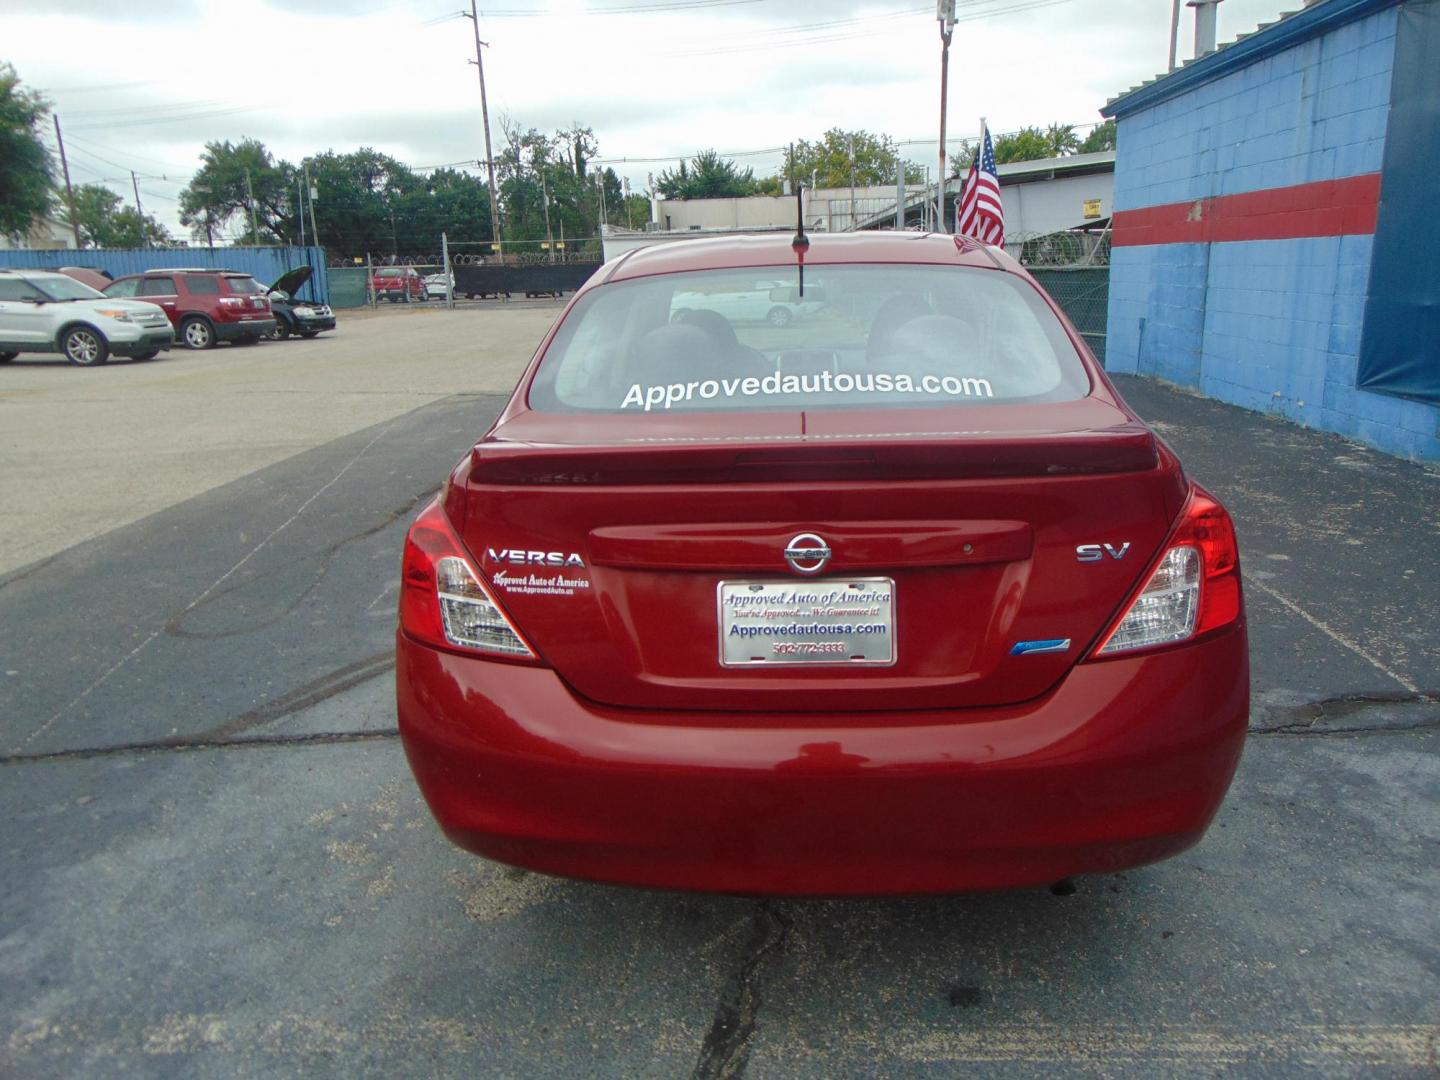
(1314, 717)
(305, 696)
(725, 1051)
(183, 744)
(26, 571)
(223, 735)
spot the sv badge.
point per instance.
(1097, 552)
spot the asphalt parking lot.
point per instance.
(215, 862)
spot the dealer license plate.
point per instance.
(834, 621)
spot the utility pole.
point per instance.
(300, 208)
(852, 183)
(945, 14)
(449, 275)
(139, 210)
(250, 202)
(70, 195)
(310, 190)
(545, 198)
(474, 18)
(899, 192)
(1174, 31)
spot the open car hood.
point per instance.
(291, 281)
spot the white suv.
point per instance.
(49, 313)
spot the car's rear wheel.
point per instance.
(308, 334)
(778, 316)
(84, 346)
(6, 357)
(197, 333)
(148, 355)
(281, 331)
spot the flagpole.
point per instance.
(945, 14)
(980, 149)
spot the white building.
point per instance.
(46, 234)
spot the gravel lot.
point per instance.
(216, 863)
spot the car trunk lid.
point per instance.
(614, 545)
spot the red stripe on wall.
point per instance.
(1325, 208)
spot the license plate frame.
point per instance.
(781, 603)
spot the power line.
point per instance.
(208, 114)
(628, 9)
(113, 150)
(775, 40)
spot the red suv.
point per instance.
(397, 283)
(206, 306)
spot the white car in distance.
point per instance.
(435, 286)
(777, 302)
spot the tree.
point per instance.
(218, 192)
(364, 202)
(578, 145)
(1061, 139)
(833, 159)
(708, 176)
(634, 212)
(1101, 137)
(27, 176)
(447, 201)
(1027, 144)
(105, 222)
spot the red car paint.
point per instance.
(617, 746)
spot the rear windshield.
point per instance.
(244, 285)
(860, 336)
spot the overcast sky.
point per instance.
(144, 86)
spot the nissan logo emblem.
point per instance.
(807, 554)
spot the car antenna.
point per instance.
(801, 243)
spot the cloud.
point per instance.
(660, 84)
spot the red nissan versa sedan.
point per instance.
(899, 597)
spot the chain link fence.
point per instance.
(1083, 293)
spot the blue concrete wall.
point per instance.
(265, 264)
(1273, 325)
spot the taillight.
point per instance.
(1193, 588)
(444, 602)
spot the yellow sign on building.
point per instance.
(1092, 208)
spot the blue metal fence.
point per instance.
(265, 264)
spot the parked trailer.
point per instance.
(543, 280)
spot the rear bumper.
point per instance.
(1124, 763)
(230, 331)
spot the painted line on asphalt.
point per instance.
(1334, 634)
(201, 598)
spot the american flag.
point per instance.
(979, 212)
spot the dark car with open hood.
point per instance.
(294, 314)
(896, 597)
